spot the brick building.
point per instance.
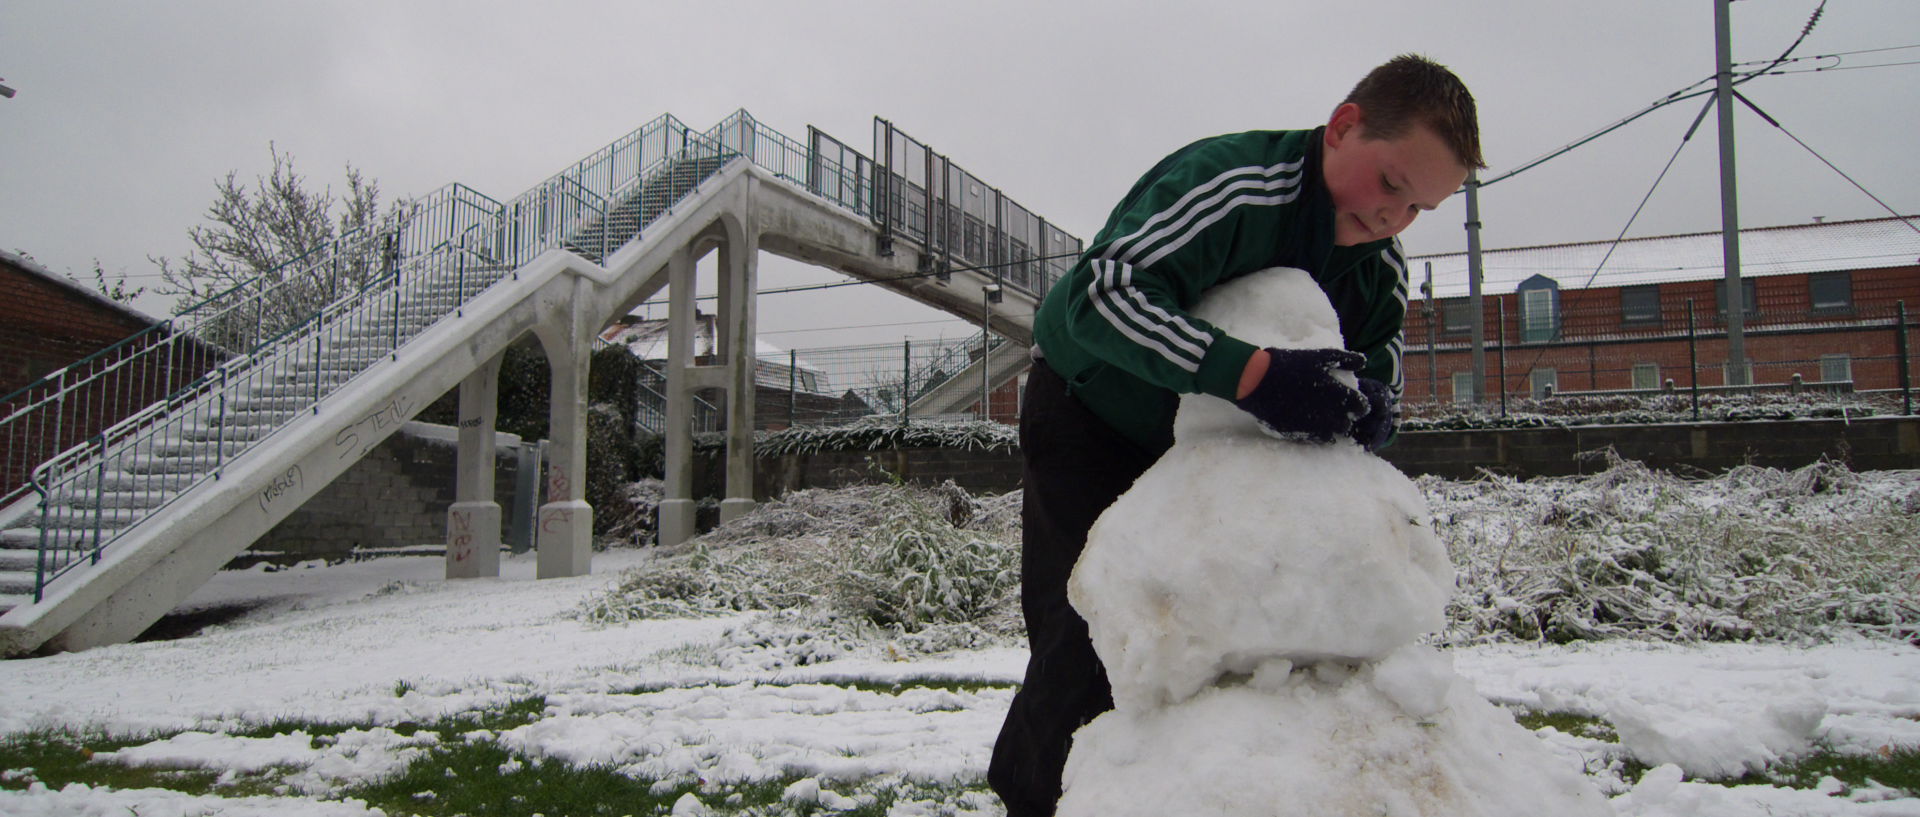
(785, 386)
(48, 323)
(1822, 303)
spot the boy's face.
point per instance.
(1380, 185)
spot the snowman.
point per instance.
(1257, 603)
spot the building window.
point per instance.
(1543, 381)
(1646, 375)
(1831, 291)
(1748, 300)
(1463, 388)
(1640, 305)
(1456, 315)
(1836, 368)
(1539, 298)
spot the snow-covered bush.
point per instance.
(896, 556)
(1755, 553)
(878, 433)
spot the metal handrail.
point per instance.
(372, 321)
(401, 280)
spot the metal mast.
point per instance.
(1729, 199)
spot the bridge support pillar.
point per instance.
(739, 275)
(473, 523)
(564, 536)
(677, 508)
(730, 370)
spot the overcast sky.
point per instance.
(127, 113)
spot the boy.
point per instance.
(1114, 346)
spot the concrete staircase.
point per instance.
(656, 195)
(126, 486)
(1003, 362)
(124, 527)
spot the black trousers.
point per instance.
(1076, 465)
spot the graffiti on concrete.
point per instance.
(280, 486)
(355, 440)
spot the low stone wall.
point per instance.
(395, 497)
(1868, 444)
(978, 471)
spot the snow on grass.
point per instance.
(1757, 553)
(1734, 645)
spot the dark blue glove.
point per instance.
(1299, 396)
(1372, 431)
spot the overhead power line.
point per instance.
(1684, 93)
(1836, 67)
(1823, 160)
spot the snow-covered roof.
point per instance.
(1803, 248)
(32, 267)
(647, 339)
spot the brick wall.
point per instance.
(979, 472)
(396, 496)
(47, 324)
(1878, 443)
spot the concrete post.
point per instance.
(677, 508)
(473, 523)
(565, 539)
(738, 278)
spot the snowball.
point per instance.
(1238, 548)
(690, 806)
(1417, 679)
(1315, 749)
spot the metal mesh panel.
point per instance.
(929, 200)
(841, 384)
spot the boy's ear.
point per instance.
(1345, 123)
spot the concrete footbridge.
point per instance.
(123, 512)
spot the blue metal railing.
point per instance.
(265, 369)
(227, 373)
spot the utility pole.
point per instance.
(1433, 360)
(1474, 298)
(989, 295)
(1729, 198)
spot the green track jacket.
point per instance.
(1116, 326)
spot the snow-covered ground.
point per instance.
(725, 699)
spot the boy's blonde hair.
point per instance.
(1411, 89)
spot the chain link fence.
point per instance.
(843, 384)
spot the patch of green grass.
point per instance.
(518, 713)
(1894, 769)
(58, 758)
(1571, 723)
(288, 726)
(895, 687)
(483, 779)
(923, 682)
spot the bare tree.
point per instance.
(117, 289)
(274, 254)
